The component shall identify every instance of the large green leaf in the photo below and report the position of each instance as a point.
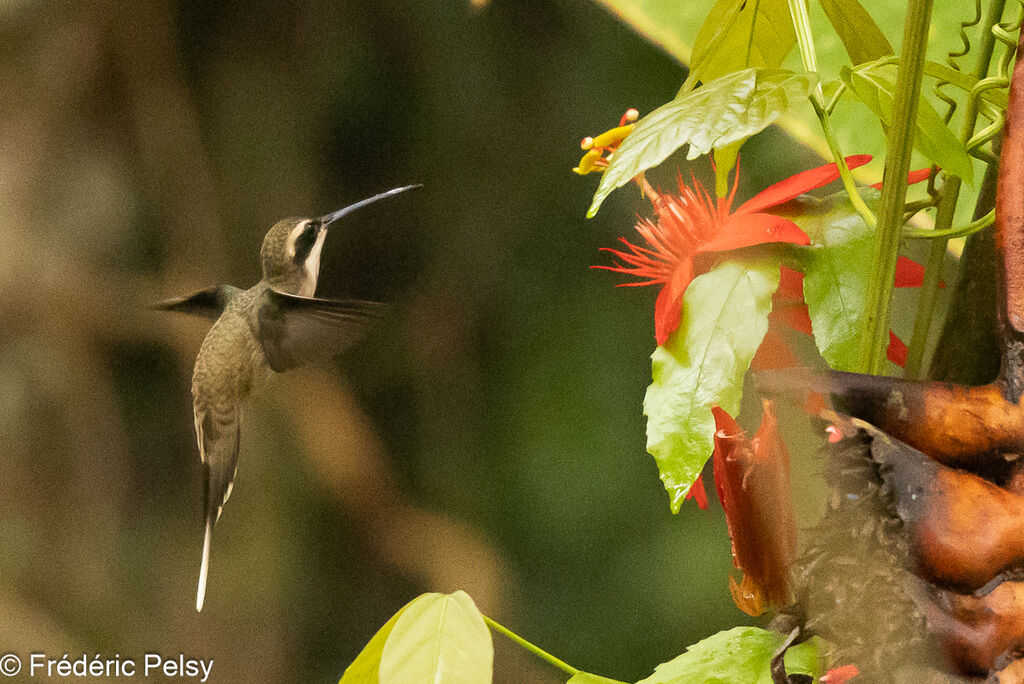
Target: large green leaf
(872, 86)
(863, 40)
(725, 317)
(738, 34)
(723, 111)
(836, 275)
(366, 667)
(439, 638)
(738, 655)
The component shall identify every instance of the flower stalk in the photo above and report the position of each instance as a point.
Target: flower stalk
(805, 41)
(535, 650)
(900, 144)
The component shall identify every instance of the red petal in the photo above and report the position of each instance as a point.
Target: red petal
(773, 353)
(897, 351)
(668, 308)
(791, 284)
(840, 675)
(802, 182)
(698, 494)
(917, 176)
(909, 273)
(747, 230)
(912, 177)
(726, 430)
(796, 317)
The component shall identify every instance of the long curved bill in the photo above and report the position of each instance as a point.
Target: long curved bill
(332, 217)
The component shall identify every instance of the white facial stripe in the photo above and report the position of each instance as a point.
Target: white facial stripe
(294, 235)
(312, 263)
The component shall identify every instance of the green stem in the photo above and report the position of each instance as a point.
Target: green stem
(844, 171)
(535, 650)
(950, 233)
(947, 206)
(932, 275)
(899, 144)
(805, 39)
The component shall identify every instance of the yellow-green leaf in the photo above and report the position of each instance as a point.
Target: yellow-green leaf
(863, 40)
(738, 34)
(441, 639)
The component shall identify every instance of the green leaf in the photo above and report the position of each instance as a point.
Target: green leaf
(365, 668)
(836, 276)
(587, 678)
(805, 658)
(738, 655)
(861, 37)
(725, 317)
(439, 638)
(738, 34)
(932, 136)
(723, 111)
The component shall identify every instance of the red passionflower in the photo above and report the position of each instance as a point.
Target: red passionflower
(693, 223)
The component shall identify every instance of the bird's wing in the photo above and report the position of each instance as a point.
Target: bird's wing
(295, 330)
(208, 303)
(219, 437)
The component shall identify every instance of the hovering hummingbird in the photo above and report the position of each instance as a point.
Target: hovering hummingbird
(275, 325)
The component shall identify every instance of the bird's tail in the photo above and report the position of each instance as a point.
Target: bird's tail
(204, 568)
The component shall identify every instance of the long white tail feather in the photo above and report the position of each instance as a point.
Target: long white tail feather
(204, 569)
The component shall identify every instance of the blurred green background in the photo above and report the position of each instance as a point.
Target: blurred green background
(489, 437)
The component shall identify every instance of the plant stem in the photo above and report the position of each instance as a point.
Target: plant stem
(947, 205)
(930, 286)
(900, 144)
(844, 171)
(950, 233)
(805, 39)
(535, 650)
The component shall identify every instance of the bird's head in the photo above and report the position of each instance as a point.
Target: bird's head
(291, 248)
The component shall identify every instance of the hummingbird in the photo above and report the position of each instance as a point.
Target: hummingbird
(275, 325)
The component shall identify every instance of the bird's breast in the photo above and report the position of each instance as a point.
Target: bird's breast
(230, 363)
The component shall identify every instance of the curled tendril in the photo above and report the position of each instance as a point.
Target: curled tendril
(951, 61)
(1006, 34)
